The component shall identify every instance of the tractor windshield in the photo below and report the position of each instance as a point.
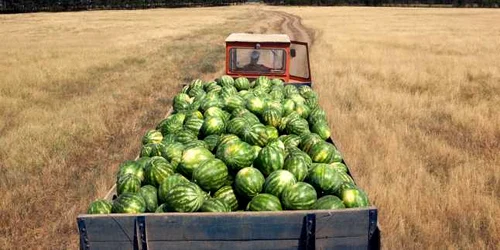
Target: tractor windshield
(267, 61)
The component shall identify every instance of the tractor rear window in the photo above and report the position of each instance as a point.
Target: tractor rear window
(258, 60)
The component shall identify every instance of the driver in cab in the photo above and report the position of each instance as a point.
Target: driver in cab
(253, 65)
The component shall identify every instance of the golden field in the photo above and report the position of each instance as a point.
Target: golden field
(412, 97)
(77, 92)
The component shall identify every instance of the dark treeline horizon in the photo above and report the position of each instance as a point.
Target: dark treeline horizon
(24, 6)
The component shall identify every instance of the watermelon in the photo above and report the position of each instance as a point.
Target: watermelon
(184, 197)
(194, 124)
(237, 125)
(324, 178)
(328, 202)
(339, 166)
(152, 136)
(277, 181)
(215, 205)
(212, 141)
(185, 136)
(211, 175)
(209, 85)
(288, 106)
(276, 144)
(269, 160)
(322, 129)
(192, 158)
(308, 141)
(317, 115)
(157, 170)
(100, 207)
(300, 196)
(242, 83)
(354, 197)
(142, 161)
(290, 140)
(295, 152)
(297, 166)
(173, 153)
(152, 149)
(182, 102)
(150, 195)
(236, 154)
(290, 90)
(272, 132)
(128, 183)
(196, 144)
(233, 102)
(129, 203)
(213, 126)
(264, 202)
(226, 193)
(168, 139)
(298, 126)
(324, 152)
(160, 209)
(217, 112)
(171, 124)
(303, 110)
(249, 182)
(225, 81)
(256, 135)
(271, 117)
(131, 167)
(256, 104)
(168, 184)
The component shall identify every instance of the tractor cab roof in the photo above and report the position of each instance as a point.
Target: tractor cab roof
(258, 38)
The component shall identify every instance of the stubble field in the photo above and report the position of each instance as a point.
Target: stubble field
(412, 97)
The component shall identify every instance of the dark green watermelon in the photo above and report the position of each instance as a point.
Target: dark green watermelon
(269, 160)
(192, 158)
(236, 154)
(128, 183)
(150, 195)
(211, 175)
(300, 196)
(100, 207)
(249, 182)
(152, 136)
(129, 203)
(297, 166)
(277, 181)
(215, 205)
(226, 193)
(329, 202)
(264, 202)
(324, 178)
(184, 197)
(354, 197)
(157, 169)
(131, 167)
(324, 152)
(168, 184)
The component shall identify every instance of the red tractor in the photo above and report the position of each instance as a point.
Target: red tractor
(271, 55)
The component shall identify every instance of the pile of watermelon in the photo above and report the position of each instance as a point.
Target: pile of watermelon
(234, 145)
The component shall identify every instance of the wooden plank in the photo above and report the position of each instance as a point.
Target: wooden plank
(112, 228)
(111, 245)
(251, 225)
(359, 242)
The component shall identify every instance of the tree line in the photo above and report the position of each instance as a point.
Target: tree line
(402, 3)
(20, 6)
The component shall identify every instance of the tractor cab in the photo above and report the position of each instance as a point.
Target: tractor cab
(271, 55)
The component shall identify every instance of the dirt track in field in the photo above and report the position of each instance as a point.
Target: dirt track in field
(292, 25)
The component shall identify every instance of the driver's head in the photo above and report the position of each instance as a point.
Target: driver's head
(254, 57)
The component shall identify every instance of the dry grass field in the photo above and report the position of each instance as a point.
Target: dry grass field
(413, 97)
(77, 90)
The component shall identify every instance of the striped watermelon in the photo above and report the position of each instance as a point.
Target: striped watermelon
(152, 149)
(277, 181)
(152, 136)
(288, 106)
(131, 167)
(264, 202)
(249, 182)
(160, 209)
(300, 196)
(128, 183)
(354, 197)
(150, 195)
(194, 124)
(271, 117)
(213, 126)
(184, 197)
(324, 178)
(215, 205)
(236, 154)
(192, 158)
(242, 83)
(272, 132)
(256, 135)
(226, 193)
(317, 115)
(129, 203)
(173, 153)
(182, 102)
(297, 166)
(328, 202)
(339, 166)
(225, 81)
(171, 124)
(324, 152)
(308, 141)
(269, 160)
(290, 140)
(212, 141)
(100, 207)
(298, 126)
(185, 136)
(168, 184)
(256, 104)
(211, 175)
(237, 125)
(157, 170)
(322, 129)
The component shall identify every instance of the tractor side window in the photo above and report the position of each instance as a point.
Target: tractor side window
(299, 64)
(258, 60)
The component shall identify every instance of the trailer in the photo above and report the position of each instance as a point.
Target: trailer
(249, 55)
